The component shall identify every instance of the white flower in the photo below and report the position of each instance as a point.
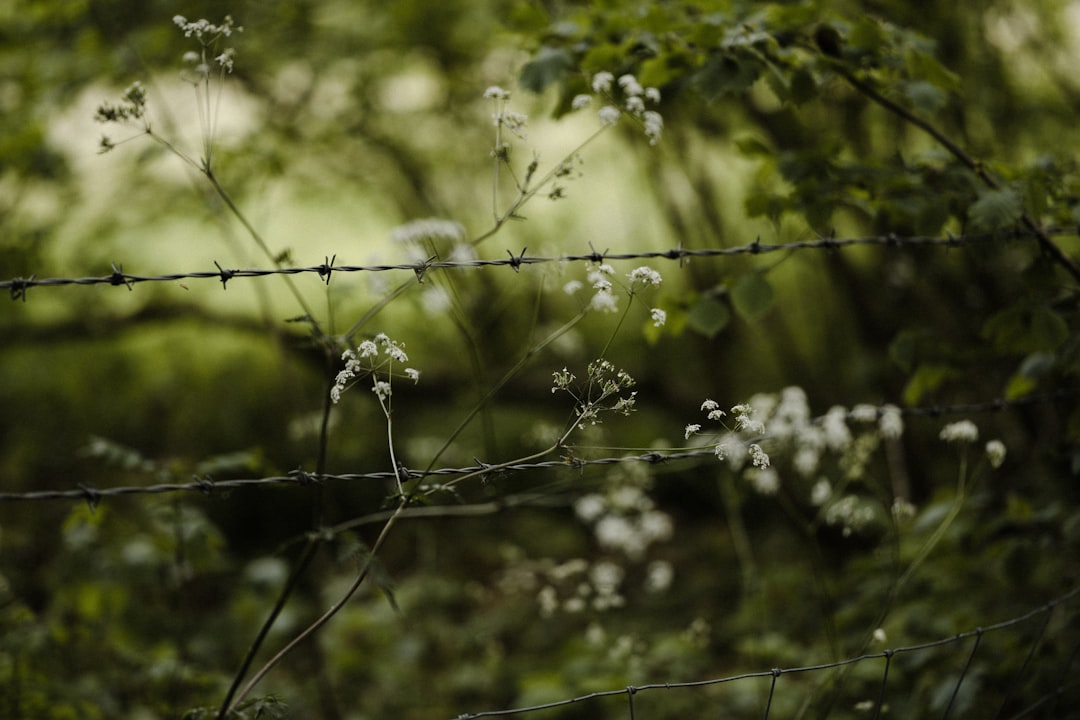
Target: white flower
(515, 122)
(658, 576)
(659, 317)
(601, 82)
(590, 507)
(891, 423)
(428, 229)
(821, 492)
(758, 456)
(580, 101)
(413, 374)
(995, 453)
(382, 389)
(604, 301)
(806, 460)
(635, 105)
(368, 348)
(880, 637)
(563, 378)
(609, 114)
(837, 435)
(606, 577)
(496, 93)
(654, 125)
(630, 85)
(652, 95)
(690, 430)
(709, 405)
(963, 431)
(645, 275)
(864, 413)
(765, 481)
(572, 287)
(744, 421)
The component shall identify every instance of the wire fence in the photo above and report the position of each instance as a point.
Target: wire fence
(18, 287)
(207, 485)
(1052, 701)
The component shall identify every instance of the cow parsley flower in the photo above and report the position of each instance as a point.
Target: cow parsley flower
(609, 114)
(428, 229)
(963, 431)
(891, 423)
(758, 457)
(601, 82)
(646, 276)
(995, 453)
(659, 317)
(691, 430)
(631, 86)
(580, 102)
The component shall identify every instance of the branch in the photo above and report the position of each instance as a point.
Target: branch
(965, 159)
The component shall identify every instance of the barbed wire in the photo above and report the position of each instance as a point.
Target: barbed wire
(887, 655)
(207, 485)
(19, 286)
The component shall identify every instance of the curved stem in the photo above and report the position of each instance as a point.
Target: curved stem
(325, 617)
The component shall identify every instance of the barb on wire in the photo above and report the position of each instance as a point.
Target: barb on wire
(206, 485)
(1044, 610)
(19, 285)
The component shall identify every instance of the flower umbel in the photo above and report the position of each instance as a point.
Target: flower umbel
(375, 358)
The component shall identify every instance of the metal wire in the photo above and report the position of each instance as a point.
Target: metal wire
(1043, 611)
(18, 287)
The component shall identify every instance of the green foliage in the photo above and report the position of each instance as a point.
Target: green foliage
(790, 540)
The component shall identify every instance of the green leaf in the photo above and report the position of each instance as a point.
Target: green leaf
(923, 66)
(549, 67)
(752, 146)
(708, 316)
(927, 378)
(722, 76)
(995, 209)
(752, 296)
(803, 86)
(1026, 330)
(924, 96)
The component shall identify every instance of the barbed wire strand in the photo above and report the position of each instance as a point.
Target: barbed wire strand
(775, 673)
(18, 287)
(207, 485)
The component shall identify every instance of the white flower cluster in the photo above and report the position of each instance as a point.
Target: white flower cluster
(503, 117)
(575, 586)
(203, 29)
(852, 513)
(735, 446)
(208, 34)
(635, 98)
(624, 519)
(602, 392)
(784, 424)
(370, 357)
(963, 431)
(600, 278)
(416, 231)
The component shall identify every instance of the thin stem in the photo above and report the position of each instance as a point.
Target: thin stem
(507, 376)
(257, 237)
(525, 194)
(326, 616)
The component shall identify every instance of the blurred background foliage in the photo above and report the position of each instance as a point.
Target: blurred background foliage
(783, 121)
